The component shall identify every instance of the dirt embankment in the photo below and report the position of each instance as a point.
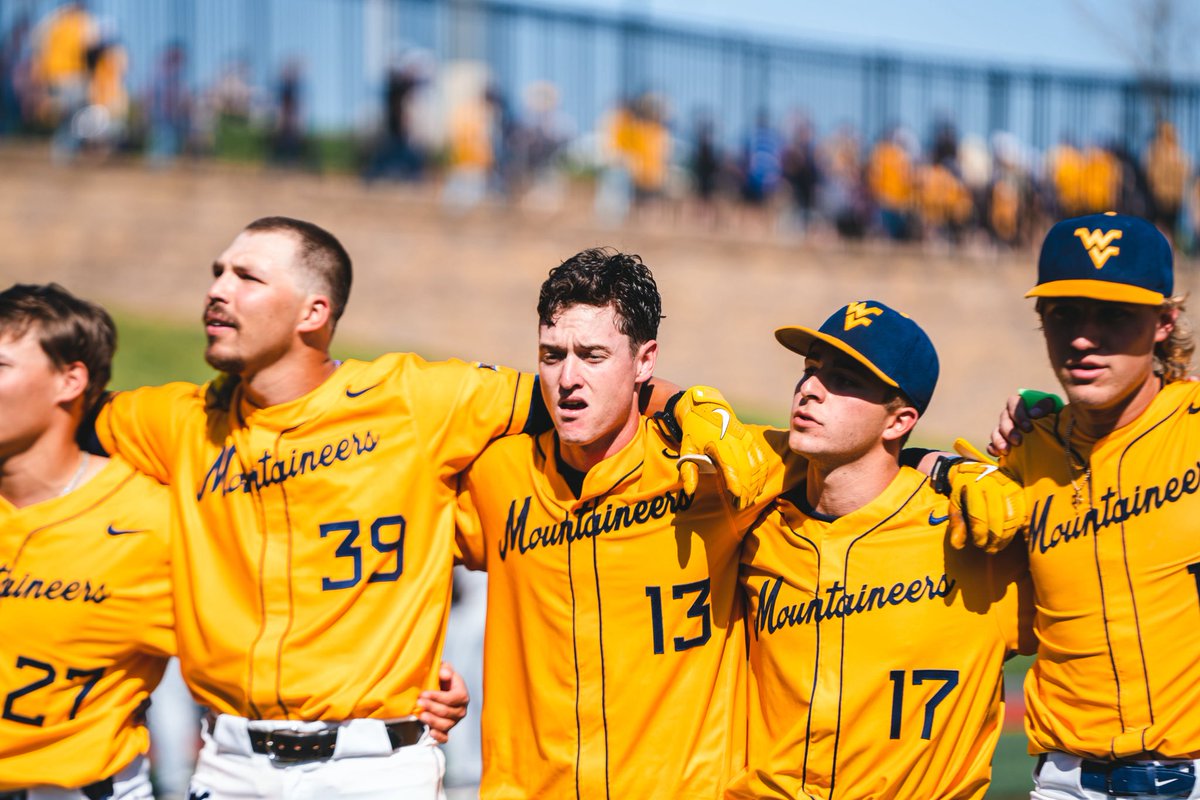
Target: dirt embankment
(447, 285)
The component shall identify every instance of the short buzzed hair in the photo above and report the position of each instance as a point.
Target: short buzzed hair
(68, 329)
(322, 257)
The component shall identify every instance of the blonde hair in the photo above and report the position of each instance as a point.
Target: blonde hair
(1173, 355)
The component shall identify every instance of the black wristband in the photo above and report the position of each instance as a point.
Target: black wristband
(939, 476)
(667, 418)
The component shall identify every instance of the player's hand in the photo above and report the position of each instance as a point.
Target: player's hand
(1017, 418)
(986, 502)
(710, 432)
(445, 708)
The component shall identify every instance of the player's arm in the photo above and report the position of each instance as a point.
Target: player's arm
(459, 407)
(710, 435)
(987, 501)
(470, 547)
(444, 707)
(143, 425)
(1010, 582)
(654, 396)
(157, 602)
(1020, 410)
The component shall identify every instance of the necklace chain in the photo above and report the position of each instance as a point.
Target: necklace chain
(73, 484)
(1074, 462)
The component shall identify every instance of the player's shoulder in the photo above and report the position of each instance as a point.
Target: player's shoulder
(918, 486)
(176, 393)
(1182, 395)
(1047, 434)
(775, 439)
(413, 363)
(130, 502)
(503, 456)
(154, 497)
(411, 372)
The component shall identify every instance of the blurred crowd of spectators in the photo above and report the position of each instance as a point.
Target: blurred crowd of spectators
(66, 77)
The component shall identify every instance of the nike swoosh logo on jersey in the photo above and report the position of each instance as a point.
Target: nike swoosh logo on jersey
(351, 393)
(936, 520)
(121, 532)
(1165, 781)
(1193, 409)
(724, 420)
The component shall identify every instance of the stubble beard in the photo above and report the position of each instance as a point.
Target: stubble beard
(232, 364)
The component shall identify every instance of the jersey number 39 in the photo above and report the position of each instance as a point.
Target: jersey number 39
(387, 536)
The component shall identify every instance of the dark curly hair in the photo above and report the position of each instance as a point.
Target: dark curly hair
(602, 277)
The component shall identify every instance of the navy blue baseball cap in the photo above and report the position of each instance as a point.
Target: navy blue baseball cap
(883, 340)
(1110, 256)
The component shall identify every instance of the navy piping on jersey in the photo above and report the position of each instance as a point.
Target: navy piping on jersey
(287, 515)
(99, 501)
(842, 649)
(575, 652)
(603, 678)
(1068, 449)
(262, 603)
(564, 470)
(816, 672)
(1137, 625)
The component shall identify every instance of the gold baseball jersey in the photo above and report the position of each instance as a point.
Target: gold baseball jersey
(1117, 576)
(876, 651)
(614, 656)
(317, 536)
(85, 628)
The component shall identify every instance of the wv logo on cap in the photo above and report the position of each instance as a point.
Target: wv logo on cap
(1099, 244)
(860, 314)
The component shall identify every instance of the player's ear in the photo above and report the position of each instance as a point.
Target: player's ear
(315, 314)
(644, 360)
(1167, 315)
(72, 382)
(899, 423)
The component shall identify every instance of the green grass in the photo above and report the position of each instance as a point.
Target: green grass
(1011, 769)
(152, 351)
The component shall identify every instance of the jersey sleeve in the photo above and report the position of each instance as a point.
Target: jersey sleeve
(470, 548)
(1010, 581)
(784, 470)
(142, 426)
(149, 508)
(462, 407)
(159, 632)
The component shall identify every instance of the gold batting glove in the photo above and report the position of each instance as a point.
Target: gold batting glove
(986, 502)
(711, 436)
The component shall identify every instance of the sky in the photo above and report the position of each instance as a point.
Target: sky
(1090, 35)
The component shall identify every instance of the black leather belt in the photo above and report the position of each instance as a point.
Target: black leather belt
(294, 746)
(100, 790)
(1138, 779)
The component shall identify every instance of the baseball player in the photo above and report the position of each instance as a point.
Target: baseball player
(614, 648)
(614, 651)
(1114, 527)
(876, 651)
(85, 606)
(315, 504)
